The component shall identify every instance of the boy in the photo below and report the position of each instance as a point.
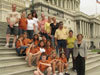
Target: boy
(44, 66)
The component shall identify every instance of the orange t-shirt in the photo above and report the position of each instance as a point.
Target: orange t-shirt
(34, 50)
(18, 44)
(36, 42)
(41, 66)
(48, 51)
(23, 23)
(64, 60)
(26, 41)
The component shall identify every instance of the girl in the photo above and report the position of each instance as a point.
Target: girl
(30, 26)
(22, 23)
(49, 48)
(36, 39)
(64, 63)
(19, 44)
(55, 62)
(33, 53)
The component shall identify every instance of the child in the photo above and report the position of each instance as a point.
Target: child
(34, 53)
(19, 44)
(55, 62)
(22, 23)
(64, 63)
(44, 66)
(49, 48)
(44, 39)
(30, 26)
(36, 39)
(26, 41)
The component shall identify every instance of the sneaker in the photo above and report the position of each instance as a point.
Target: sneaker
(54, 74)
(7, 45)
(67, 74)
(60, 73)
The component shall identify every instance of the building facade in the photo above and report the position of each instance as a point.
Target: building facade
(67, 11)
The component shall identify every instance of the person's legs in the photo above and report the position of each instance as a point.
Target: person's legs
(78, 64)
(49, 70)
(14, 41)
(53, 41)
(68, 54)
(59, 64)
(62, 67)
(36, 73)
(9, 30)
(37, 59)
(54, 67)
(30, 60)
(30, 32)
(15, 35)
(82, 66)
(7, 40)
(74, 64)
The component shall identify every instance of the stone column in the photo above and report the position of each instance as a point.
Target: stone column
(89, 30)
(53, 2)
(61, 3)
(94, 30)
(57, 4)
(65, 2)
(80, 27)
(85, 28)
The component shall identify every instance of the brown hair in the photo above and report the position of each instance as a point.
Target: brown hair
(80, 35)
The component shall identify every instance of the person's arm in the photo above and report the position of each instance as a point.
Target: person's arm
(29, 48)
(56, 38)
(46, 64)
(21, 42)
(74, 51)
(37, 53)
(85, 49)
(34, 27)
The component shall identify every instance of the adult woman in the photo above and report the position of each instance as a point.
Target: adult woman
(79, 53)
(70, 46)
(30, 26)
(36, 21)
(54, 26)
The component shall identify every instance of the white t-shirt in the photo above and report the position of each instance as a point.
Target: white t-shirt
(30, 25)
(36, 22)
(13, 16)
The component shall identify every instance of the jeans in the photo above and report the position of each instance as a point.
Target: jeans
(30, 34)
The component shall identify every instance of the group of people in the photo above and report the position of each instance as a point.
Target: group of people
(46, 43)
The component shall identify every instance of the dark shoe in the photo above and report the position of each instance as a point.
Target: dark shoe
(67, 74)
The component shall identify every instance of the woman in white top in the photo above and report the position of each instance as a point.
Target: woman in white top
(30, 26)
(36, 21)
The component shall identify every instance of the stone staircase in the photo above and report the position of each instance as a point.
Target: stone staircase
(3, 28)
(11, 64)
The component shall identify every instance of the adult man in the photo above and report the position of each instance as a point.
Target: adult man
(60, 37)
(12, 19)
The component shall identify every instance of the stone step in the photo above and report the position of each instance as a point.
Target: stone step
(94, 71)
(7, 54)
(16, 70)
(11, 58)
